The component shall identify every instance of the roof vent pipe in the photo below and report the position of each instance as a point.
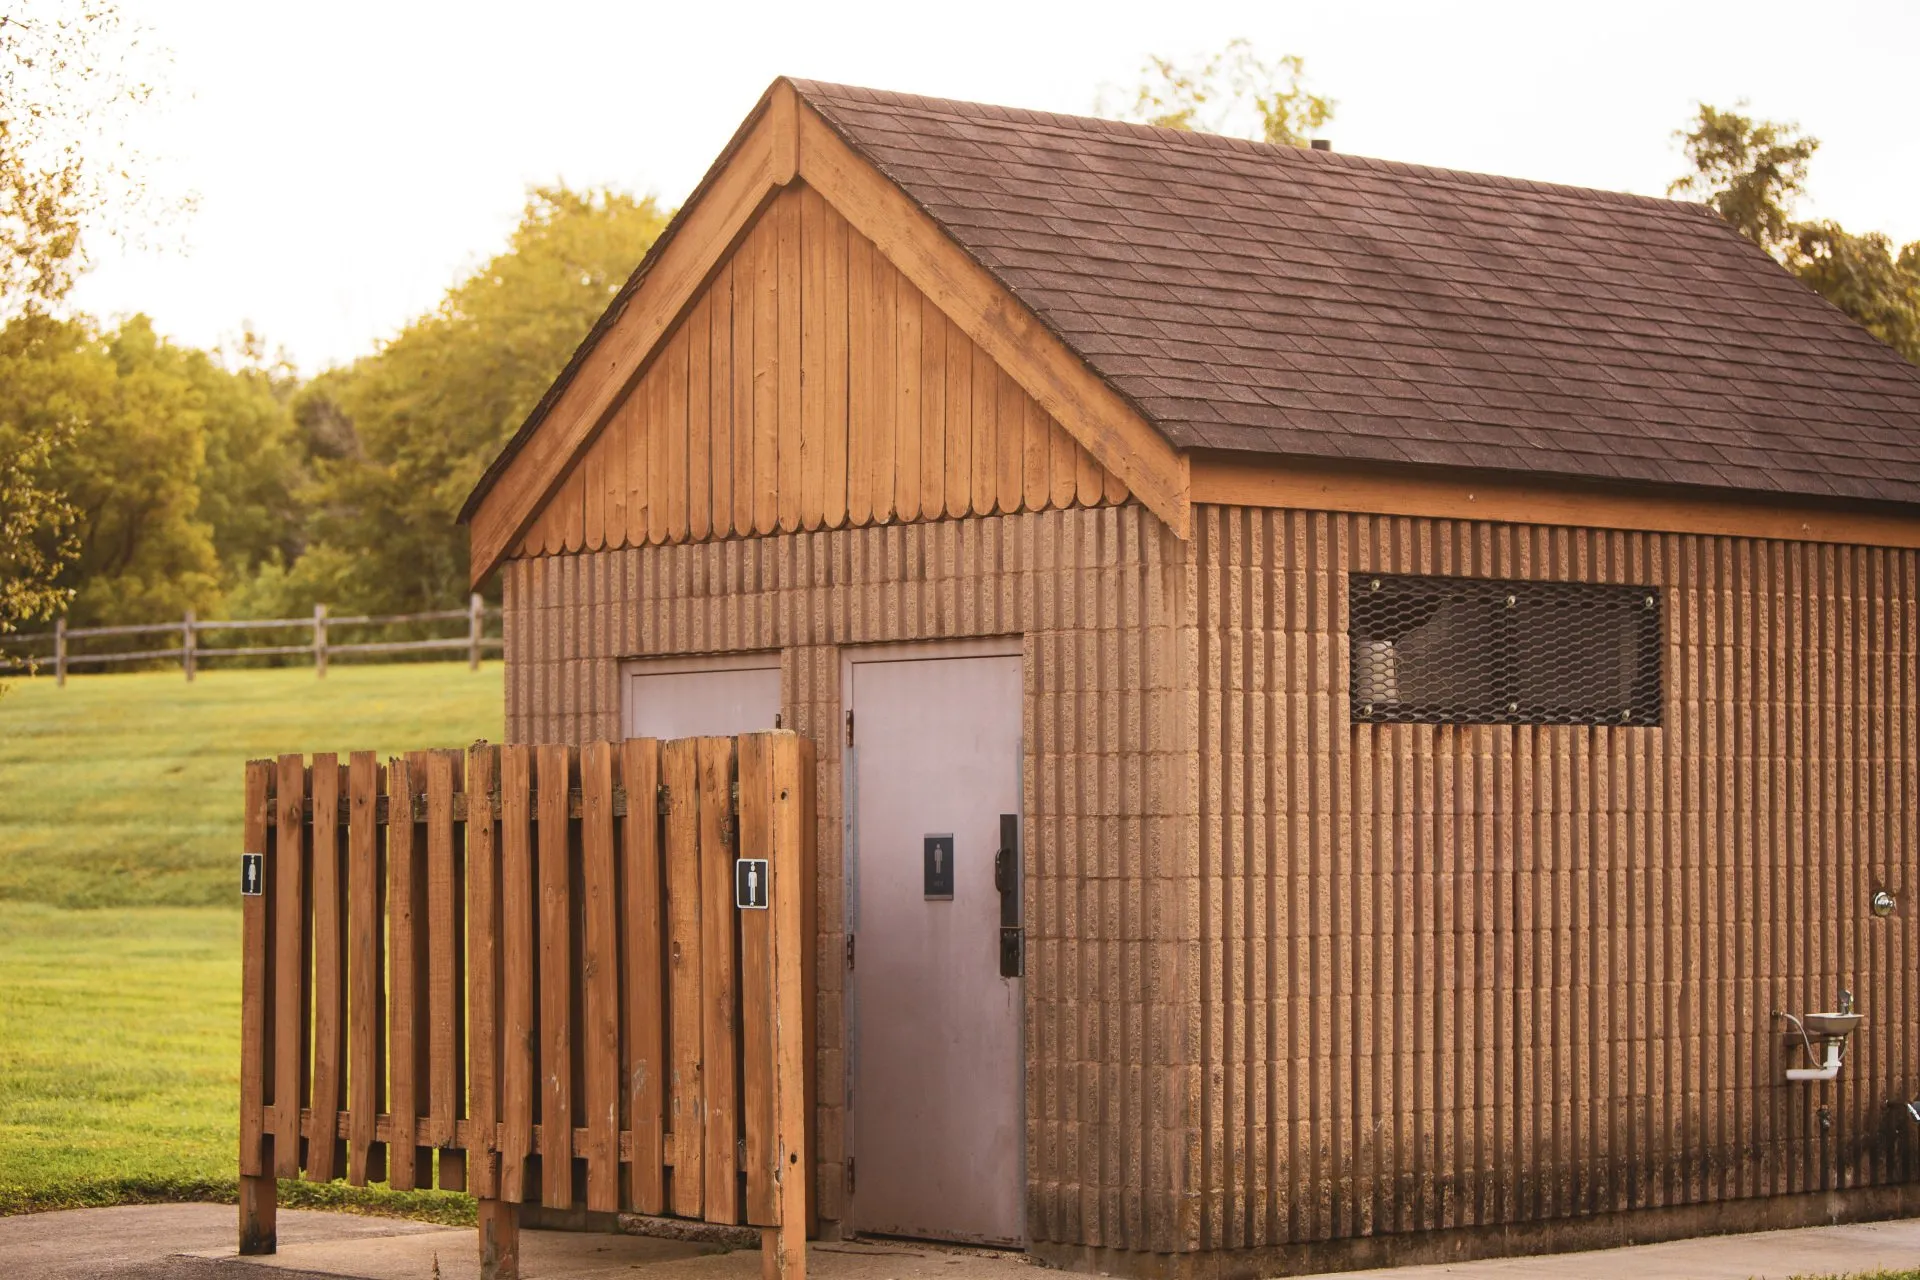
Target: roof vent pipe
(1322, 144)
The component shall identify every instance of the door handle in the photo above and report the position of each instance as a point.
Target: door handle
(1006, 878)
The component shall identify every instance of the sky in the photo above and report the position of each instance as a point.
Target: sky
(350, 161)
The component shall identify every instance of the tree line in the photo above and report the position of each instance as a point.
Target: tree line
(140, 477)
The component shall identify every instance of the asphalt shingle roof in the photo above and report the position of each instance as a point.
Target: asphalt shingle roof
(1276, 300)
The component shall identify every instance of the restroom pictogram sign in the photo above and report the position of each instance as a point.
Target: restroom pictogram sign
(750, 884)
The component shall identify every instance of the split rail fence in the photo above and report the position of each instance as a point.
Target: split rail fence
(528, 972)
(58, 644)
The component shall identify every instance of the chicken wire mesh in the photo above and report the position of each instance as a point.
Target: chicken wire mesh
(1431, 650)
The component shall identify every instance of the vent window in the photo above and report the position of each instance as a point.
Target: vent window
(1476, 651)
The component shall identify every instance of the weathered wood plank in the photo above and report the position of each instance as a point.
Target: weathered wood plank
(517, 898)
(792, 470)
(686, 1110)
(960, 422)
(720, 402)
(406, 1012)
(862, 420)
(718, 992)
(444, 1013)
(556, 1002)
(600, 969)
(643, 878)
(483, 968)
(909, 376)
(366, 970)
(933, 409)
(766, 372)
(812, 429)
(673, 373)
(835, 445)
(745, 273)
(699, 420)
(292, 954)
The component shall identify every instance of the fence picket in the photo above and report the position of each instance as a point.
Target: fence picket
(329, 965)
(643, 879)
(680, 764)
(366, 972)
(406, 1012)
(445, 981)
(719, 1049)
(516, 970)
(556, 972)
(600, 968)
(483, 968)
(291, 950)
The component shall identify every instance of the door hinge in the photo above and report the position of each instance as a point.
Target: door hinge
(662, 800)
(849, 726)
(850, 951)
(850, 1177)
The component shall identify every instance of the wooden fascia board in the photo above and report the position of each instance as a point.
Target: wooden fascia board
(708, 233)
(1108, 427)
(1241, 481)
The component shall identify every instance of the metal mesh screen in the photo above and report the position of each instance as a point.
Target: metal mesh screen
(1473, 651)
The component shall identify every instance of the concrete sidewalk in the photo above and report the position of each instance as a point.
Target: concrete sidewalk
(195, 1242)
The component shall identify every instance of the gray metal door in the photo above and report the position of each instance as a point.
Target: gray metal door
(935, 1111)
(700, 697)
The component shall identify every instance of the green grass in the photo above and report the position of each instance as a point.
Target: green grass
(119, 937)
(124, 790)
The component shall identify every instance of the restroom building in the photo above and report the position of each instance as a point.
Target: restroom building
(1431, 658)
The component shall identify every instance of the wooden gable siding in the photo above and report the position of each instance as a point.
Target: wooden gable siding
(811, 386)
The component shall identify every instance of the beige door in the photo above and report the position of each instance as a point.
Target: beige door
(699, 697)
(935, 1069)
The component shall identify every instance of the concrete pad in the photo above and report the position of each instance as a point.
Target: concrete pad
(1855, 1249)
(79, 1244)
(452, 1253)
(571, 1255)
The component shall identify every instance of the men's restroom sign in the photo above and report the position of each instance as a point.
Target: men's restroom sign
(937, 865)
(750, 884)
(252, 874)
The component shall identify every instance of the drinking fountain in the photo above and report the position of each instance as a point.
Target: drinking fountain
(1832, 1030)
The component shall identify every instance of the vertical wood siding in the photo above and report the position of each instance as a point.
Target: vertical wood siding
(1099, 597)
(810, 386)
(1464, 975)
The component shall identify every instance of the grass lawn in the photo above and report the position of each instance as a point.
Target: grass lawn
(119, 933)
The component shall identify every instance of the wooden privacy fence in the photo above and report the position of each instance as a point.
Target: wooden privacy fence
(537, 974)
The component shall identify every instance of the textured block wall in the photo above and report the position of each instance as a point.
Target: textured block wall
(1467, 975)
(1294, 979)
(1100, 597)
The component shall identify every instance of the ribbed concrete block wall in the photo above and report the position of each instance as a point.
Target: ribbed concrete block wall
(1101, 599)
(1482, 975)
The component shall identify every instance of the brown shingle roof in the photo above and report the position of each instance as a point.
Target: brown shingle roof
(1276, 300)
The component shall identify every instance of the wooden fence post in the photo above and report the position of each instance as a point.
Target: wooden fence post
(499, 1240)
(187, 646)
(476, 620)
(320, 641)
(59, 653)
(257, 1018)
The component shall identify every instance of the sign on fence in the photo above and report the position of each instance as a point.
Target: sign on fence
(525, 972)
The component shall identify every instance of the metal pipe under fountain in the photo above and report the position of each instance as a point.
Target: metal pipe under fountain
(1832, 1030)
